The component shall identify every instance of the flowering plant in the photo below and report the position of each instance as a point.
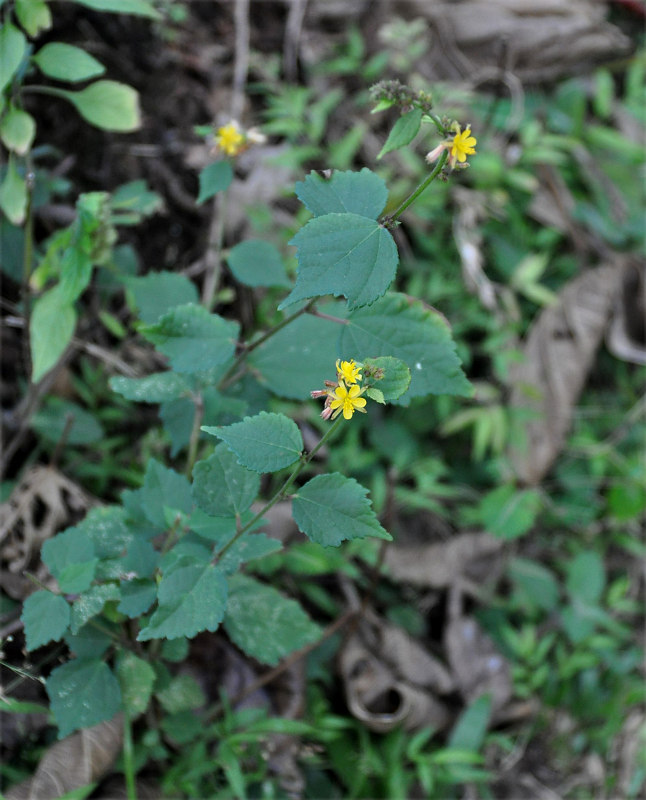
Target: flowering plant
(173, 558)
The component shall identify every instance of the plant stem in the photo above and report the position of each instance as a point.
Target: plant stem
(213, 255)
(300, 466)
(316, 313)
(225, 380)
(195, 434)
(390, 218)
(128, 758)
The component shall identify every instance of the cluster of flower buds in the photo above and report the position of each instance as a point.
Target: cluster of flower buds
(344, 394)
(394, 93)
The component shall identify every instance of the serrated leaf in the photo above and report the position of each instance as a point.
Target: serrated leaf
(13, 46)
(343, 254)
(65, 62)
(214, 178)
(331, 508)
(509, 512)
(107, 529)
(156, 388)
(376, 395)
(90, 642)
(158, 292)
(298, 358)
(136, 678)
(51, 328)
(257, 263)
(108, 105)
(137, 597)
(362, 193)
(183, 693)
(263, 623)
(82, 693)
(417, 335)
(193, 338)
(46, 617)
(17, 130)
(68, 548)
(395, 379)
(139, 8)
(248, 547)
(221, 486)
(192, 599)
(91, 603)
(164, 488)
(403, 132)
(13, 194)
(34, 16)
(264, 443)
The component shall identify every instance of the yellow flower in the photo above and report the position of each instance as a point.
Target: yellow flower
(348, 371)
(463, 146)
(230, 139)
(347, 400)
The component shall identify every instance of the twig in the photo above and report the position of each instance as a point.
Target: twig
(241, 65)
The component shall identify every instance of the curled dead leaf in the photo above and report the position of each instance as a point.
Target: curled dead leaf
(558, 354)
(76, 761)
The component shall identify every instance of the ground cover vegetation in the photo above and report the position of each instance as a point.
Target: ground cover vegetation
(323, 412)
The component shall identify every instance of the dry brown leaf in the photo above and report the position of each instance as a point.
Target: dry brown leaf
(558, 354)
(41, 504)
(468, 555)
(82, 758)
(536, 41)
(626, 338)
(390, 679)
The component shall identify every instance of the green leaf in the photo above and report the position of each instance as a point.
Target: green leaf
(69, 548)
(135, 200)
(362, 193)
(58, 417)
(586, 577)
(158, 292)
(417, 335)
(343, 254)
(403, 132)
(13, 193)
(51, 328)
(214, 178)
(137, 597)
(508, 512)
(248, 547)
(469, 731)
(183, 693)
(105, 527)
(46, 617)
(139, 8)
(82, 693)
(90, 604)
(13, 46)
(90, 642)
(192, 599)
(156, 388)
(193, 338)
(257, 263)
(222, 487)
(264, 443)
(331, 508)
(263, 623)
(534, 582)
(17, 130)
(376, 395)
(65, 62)
(164, 488)
(136, 678)
(108, 105)
(395, 376)
(34, 16)
(299, 357)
